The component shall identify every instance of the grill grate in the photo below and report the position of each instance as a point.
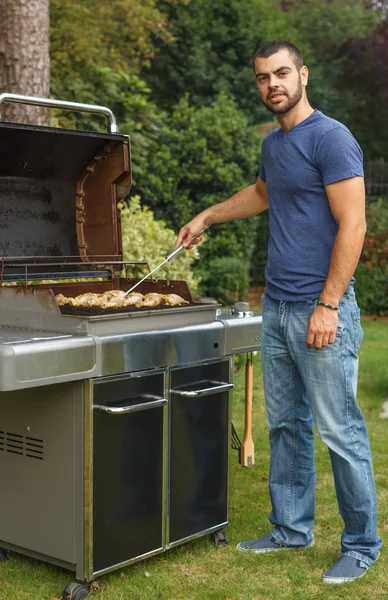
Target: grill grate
(40, 268)
(84, 311)
(22, 445)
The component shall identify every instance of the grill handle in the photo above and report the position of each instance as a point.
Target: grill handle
(217, 389)
(53, 103)
(124, 410)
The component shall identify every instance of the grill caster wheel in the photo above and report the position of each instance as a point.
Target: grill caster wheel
(3, 554)
(75, 591)
(219, 538)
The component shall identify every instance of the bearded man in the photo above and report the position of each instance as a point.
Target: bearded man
(311, 182)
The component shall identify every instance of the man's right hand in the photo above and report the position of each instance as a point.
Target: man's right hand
(188, 231)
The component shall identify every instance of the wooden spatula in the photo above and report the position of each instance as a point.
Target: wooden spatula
(247, 450)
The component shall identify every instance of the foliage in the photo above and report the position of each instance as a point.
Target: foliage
(226, 278)
(126, 95)
(326, 26)
(215, 42)
(146, 239)
(204, 156)
(212, 53)
(372, 273)
(348, 60)
(375, 250)
(118, 34)
(96, 51)
(372, 290)
(338, 20)
(260, 252)
(367, 62)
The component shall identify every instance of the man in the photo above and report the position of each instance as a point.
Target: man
(311, 180)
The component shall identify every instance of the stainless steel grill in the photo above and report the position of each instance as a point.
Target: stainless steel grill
(114, 425)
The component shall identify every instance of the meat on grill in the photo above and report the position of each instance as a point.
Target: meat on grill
(154, 299)
(118, 299)
(132, 299)
(173, 300)
(150, 300)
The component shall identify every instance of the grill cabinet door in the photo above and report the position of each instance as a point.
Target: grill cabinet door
(128, 468)
(200, 422)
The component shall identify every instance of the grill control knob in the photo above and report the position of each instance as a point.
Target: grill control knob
(241, 309)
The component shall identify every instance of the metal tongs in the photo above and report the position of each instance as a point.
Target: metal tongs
(172, 255)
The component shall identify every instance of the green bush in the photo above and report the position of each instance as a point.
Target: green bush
(372, 272)
(260, 252)
(146, 239)
(226, 279)
(371, 288)
(203, 156)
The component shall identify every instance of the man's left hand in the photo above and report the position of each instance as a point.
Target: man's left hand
(322, 327)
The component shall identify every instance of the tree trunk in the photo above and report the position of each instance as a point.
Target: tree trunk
(24, 57)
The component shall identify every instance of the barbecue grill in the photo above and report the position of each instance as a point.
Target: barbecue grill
(115, 425)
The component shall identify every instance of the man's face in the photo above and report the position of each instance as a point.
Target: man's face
(280, 84)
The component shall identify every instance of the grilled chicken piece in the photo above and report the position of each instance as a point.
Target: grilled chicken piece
(86, 300)
(132, 299)
(151, 300)
(113, 294)
(115, 302)
(174, 300)
(61, 299)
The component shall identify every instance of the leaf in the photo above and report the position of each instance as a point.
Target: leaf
(95, 586)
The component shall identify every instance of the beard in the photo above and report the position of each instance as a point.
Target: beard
(291, 101)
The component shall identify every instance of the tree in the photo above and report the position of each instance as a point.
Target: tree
(101, 67)
(326, 25)
(117, 35)
(215, 42)
(212, 53)
(24, 56)
(366, 78)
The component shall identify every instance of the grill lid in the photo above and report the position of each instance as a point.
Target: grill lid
(59, 191)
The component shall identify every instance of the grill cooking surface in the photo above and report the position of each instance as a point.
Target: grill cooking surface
(96, 311)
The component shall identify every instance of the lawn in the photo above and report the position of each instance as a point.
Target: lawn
(201, 571)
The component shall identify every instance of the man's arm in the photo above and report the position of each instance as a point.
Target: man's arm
(250, 201)
(347, 203)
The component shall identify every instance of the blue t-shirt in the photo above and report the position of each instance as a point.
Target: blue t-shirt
(296, 166)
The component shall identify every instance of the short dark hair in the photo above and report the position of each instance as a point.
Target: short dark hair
(270, 48)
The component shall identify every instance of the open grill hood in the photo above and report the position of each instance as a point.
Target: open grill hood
(59, 191)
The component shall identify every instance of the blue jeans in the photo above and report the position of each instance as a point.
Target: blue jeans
(305, 386)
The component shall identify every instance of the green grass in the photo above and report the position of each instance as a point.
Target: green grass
(200, 571)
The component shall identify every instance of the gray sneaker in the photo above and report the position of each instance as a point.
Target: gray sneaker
(346, 570)
(267, 544)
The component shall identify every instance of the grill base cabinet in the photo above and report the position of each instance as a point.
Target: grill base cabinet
(100, 473)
